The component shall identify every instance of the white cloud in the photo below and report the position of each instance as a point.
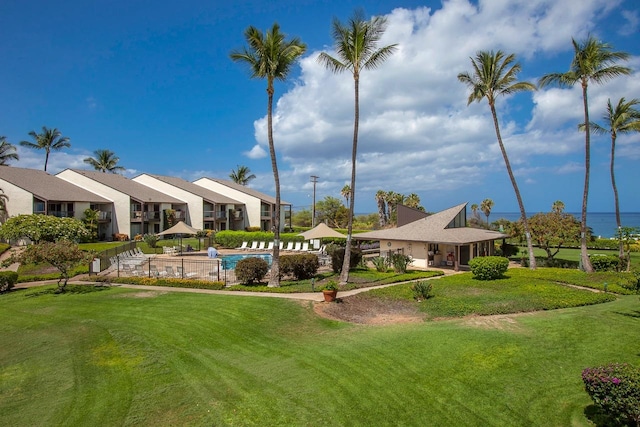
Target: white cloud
(416, 132)
(632, 23)
(257, 152)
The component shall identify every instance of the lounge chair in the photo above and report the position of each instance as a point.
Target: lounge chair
(305, 247)
(281, 245)
(254, 245)
(270, 246)
(139, 271)
(289, 246)
(243, 246)
(155, 273)
(297, 247)
(261, 246)
(169, 270)
(182, 274)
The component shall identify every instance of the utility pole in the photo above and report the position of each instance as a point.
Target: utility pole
(314, 179)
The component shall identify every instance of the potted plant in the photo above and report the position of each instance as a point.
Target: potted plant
(330, 291)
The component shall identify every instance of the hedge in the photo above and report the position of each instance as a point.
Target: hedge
(171, 283)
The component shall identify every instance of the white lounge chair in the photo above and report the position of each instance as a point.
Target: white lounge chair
(254, 246)
(261, 246)
(182, 274)
(243, 246)
(297, 247)
(270, 246)
(281, 245)
(155, 272)
(169, 270)
(305, 247)
(289, 246)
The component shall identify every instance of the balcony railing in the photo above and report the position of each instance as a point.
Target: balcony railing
(104, 215)
(180, 215)
(61, 214)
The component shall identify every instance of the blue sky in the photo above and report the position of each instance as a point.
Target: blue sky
(153, 82)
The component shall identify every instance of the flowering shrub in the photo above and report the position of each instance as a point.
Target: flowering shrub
(44, 228)
(615, 388)
(488, 267)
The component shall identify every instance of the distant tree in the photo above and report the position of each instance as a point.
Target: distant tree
(552, 230)
(356, 48)
(302, 218)
(331, 211)
(4, 213)
(43, 228)
(105, 161)
(393, 200)
(494, 75)
(90, 222)
(63, 255)
(7, 152)
(627, 236)
(558, 206)
(270, 57)
(346, 192)
(593, 61)
(485, 207)
(413, 201)
(49, 139)
(381, 202)
(242, 175)
(621, 119)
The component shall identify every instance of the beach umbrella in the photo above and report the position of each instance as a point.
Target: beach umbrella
(321, 230)
(180, 228)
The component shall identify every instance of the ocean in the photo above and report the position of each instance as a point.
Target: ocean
(603, 224)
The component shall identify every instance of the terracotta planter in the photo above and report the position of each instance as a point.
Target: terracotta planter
(330, 296)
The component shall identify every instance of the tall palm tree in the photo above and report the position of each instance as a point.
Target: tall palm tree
(485, 207)
(270, 57)
(49, 139)
(381, 201)
(593, 61)
(242, 175)
(105, 161)
(346, 192)
(413, 201)
(495, 74)
(356, 48)
(623, 118)
(557, 206)
(7, 151)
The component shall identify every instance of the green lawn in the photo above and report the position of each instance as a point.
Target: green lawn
(133, 357)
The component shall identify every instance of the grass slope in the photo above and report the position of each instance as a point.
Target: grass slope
(129, 357)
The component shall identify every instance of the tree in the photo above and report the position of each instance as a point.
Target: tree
(494, 75)
(49, 139)
(627, 236)
(552, 230)
(63, 255)
(242, 175)
(485, 207)
(413, 201)
(43, 228)
(623, 118)
(4, 213)
(331, 211)
(302, 218)
(90, 222)
(356, 48)
(346, 192)
(382, 207)
(105, 161)
(558, 206)
(270, 57)
(393, 200)
(593, 61)
(7, 152)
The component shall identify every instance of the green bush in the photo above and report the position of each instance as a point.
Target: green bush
(552, 263)
(251, 270)
(8, 279)
(615, 388)
(400, 262)
(301, 266)
(234, 239)
(337, 258)
(151, 240)
(488, 267)
(380, 263)
(605, 262)
(422, 290)
(168, 282)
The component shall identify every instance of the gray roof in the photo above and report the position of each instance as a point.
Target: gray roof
(247, 190)
(133, 189)
(206, 194)
(433, 229)
(48, 187)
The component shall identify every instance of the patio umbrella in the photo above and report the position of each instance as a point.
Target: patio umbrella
(180, 228)
(321, 230)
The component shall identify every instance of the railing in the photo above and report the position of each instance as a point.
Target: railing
(171, 268)
(146, 216)
(221, 215)
(106, 254)
(179, 215)
(61, 214)
(209, 214)
(104, 215)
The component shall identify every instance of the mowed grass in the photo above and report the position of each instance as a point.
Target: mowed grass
(132, 357)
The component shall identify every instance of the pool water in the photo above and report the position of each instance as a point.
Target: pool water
(228, 262)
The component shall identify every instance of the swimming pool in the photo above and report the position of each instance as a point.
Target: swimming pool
(228, 262)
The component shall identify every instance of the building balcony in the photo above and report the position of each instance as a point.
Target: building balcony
(62, 214)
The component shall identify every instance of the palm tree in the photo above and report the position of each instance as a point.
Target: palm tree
(495, 75)
(557, 207)
(346, 192)
(593, 61)
(355, 44)
(270, 57)
(242, 175)
(7, 151)
(105, 161)
(623, 118)
(413, 201)
(381, 197)
(4, 213)
(49, 139)
(485, 207)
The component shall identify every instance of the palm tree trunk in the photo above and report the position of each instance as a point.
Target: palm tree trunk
(274, 277)
(46, 159)
(584, 255)
(615, 193)
(523, 213)
(344, 274)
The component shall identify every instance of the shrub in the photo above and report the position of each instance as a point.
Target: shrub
(380, 263)
(150, 239)
(337, 258)
(615, 388)
(163, 281)
(422, 290)
(301, 266)
(605, 262)
(507, 250)
(488, 267)
(7, 280)
(552, 263)
(400, 262)
(251, 270)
